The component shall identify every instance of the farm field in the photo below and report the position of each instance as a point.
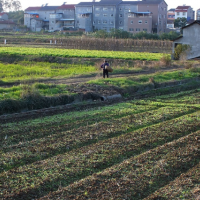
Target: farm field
(132, 150)
(14, 51)
(61, 137)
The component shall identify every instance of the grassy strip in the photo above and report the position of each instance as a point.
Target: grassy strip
(41, 70)
(139, 80)
(17, 92)
(61, 142)
(79, 53)
(138, 176)
(39, 178)
(186, 186)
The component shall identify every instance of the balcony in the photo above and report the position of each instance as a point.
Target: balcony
(55, 16)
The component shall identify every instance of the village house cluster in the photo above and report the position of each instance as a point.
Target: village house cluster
(151, 16)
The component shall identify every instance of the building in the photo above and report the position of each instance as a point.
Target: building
(64, 17)
(170, 18)
(115, 14)
(190, 31)
(133, 16)
(198, 14)
(106, 15)
(5, 23)
(139, 21)
(84, 16)
(3, 16)
(29, 14)
(184, 11)
(158, 8)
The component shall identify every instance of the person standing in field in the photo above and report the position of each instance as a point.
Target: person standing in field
(103, 66)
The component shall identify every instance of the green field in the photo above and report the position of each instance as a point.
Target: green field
(15, 51)
(102, 153)
(144, 145)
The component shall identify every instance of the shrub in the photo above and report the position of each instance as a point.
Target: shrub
(166, 60)
(181, 51)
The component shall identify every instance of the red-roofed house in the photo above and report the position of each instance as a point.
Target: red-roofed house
(5, 23)
(29, 13)
(3, 16)
(184, 11)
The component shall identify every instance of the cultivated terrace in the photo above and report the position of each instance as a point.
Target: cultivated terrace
(67, 133)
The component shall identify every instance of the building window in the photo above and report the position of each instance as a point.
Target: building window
(184, 13)
(97, 15)
(97, 9)
(104, 9)
(145, 29)
(99, 21)
(120, 15)
(131, 22)
(120, 22)
(146, 22)
(111, 15)
(178, 13)
(111, 22)
(120, 9)
(137, 29)
(104, 22)
(105, 28)
(105, 15)
(139, 21)
(131, 29)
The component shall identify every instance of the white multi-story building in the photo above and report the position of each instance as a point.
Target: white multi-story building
(184, 11)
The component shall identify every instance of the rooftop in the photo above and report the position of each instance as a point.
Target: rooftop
(32, 8)
(66, 6)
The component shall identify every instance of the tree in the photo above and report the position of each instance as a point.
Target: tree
(10, 5)
(180, 22)
(17, 16)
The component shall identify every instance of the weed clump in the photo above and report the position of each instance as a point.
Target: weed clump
(166, 60)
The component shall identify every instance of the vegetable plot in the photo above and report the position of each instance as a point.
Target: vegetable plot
(15, 51)
(125, 151)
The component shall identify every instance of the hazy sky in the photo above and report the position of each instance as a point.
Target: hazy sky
(195, 4)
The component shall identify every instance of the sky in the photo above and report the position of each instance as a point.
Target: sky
(195, 4)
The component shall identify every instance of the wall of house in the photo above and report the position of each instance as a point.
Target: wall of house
(159, 17)
(190, 37)
(198, 14)
(140, 23)
(4, 16)
(67, 13)
(6, 26)
(124, 10)
(104, 17)
(36, 25)
(82, 21)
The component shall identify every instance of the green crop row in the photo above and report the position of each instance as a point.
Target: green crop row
(185, 186)
(63, 169)
(113, 144)
(59, 142)
(79, 53)
(139, 176)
